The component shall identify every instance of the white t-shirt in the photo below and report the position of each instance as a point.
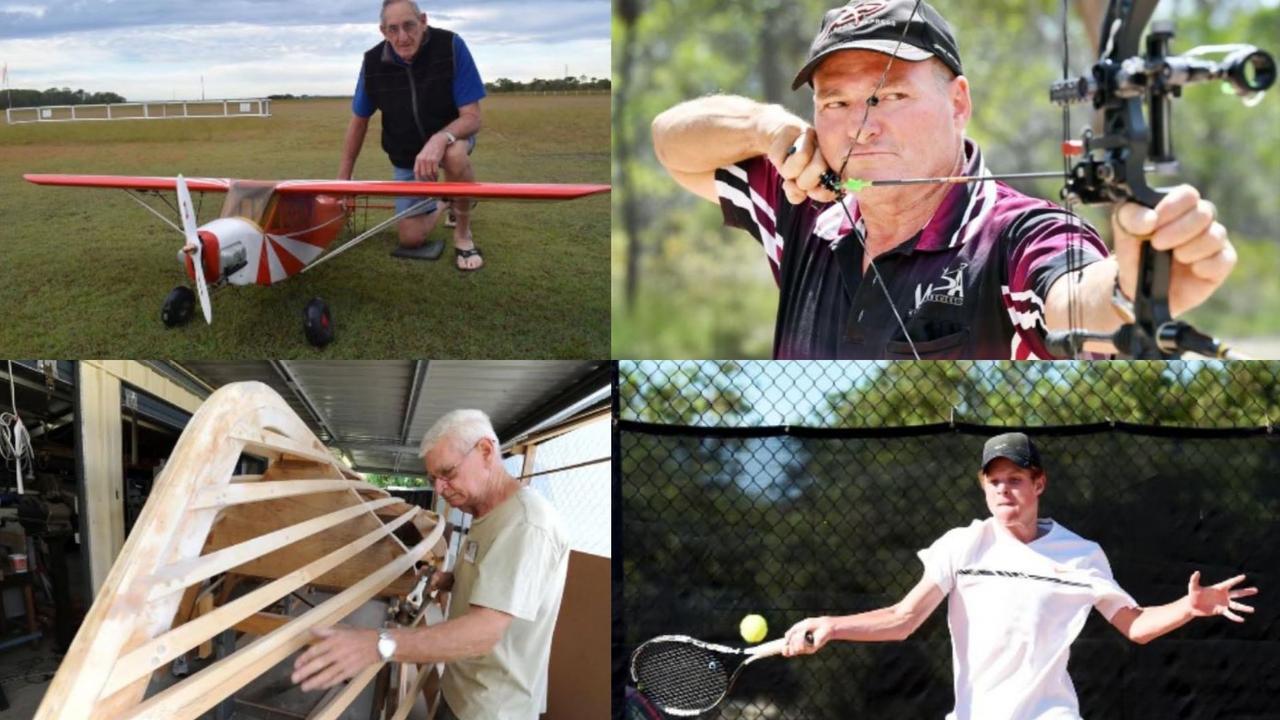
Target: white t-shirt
(1014, 609)
(515, 560)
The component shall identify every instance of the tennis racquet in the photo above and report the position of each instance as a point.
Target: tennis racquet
(685, 676)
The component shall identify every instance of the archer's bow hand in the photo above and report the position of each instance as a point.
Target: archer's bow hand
(1186, 224)
(794, 152)
(1219, 599)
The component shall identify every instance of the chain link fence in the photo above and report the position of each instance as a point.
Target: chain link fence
(801, 489)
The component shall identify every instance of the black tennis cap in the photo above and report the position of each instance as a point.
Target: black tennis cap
(1013, 446)
(876, 25)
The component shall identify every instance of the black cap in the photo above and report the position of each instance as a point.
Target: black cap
(1013, 446)
(876, 25)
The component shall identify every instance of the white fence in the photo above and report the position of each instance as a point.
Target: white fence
(166, 110)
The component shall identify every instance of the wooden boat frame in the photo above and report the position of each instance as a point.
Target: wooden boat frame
(307, 520)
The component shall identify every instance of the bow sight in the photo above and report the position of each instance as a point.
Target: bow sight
(1120, 80)
(1159, 77)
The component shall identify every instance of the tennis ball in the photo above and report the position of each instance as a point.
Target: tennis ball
(753, 628)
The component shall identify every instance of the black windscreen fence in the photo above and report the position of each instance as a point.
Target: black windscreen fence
(787, 522)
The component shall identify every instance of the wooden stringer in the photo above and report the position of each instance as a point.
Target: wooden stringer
(307, 520)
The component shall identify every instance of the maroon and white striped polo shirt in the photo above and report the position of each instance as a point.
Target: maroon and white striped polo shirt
(971, 285)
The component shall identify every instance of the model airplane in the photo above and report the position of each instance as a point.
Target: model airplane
(270, 230)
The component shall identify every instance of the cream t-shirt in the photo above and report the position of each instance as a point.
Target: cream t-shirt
(1014, 609)
(513, 560)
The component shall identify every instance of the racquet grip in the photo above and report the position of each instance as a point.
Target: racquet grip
(769, 649)
(775, 647)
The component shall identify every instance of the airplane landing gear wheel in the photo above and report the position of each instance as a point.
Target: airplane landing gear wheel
(318, 323)
(179, 305)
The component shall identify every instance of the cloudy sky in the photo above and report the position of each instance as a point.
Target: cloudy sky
(159, 49)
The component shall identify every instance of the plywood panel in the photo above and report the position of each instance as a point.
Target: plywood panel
(102, 450)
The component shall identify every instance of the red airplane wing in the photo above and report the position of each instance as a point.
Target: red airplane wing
(130, 182)
(507, 191)
(497, 191)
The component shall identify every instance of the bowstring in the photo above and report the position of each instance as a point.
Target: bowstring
(873, 101)
(1075, 238)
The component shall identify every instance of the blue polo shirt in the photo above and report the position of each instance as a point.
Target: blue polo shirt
(969, 286)
(467, 85)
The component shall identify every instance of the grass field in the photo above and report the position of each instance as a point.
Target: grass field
(83, 272)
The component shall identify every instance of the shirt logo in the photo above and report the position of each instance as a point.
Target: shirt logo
(949, 292)
(469, 551)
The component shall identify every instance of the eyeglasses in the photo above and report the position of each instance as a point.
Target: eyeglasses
(409, 28)
(450, 473)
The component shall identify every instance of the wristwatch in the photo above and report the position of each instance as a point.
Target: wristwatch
(386, 645)
(452, 138)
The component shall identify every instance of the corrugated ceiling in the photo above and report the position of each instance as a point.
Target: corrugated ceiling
(377, 411)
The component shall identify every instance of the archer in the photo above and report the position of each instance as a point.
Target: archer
(931, 269)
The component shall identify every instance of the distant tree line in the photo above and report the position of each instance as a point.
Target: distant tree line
(58, 96)
(580, 83)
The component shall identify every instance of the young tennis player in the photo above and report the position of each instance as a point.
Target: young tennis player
(1020, 588)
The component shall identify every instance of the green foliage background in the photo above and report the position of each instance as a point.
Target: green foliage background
(684, 286)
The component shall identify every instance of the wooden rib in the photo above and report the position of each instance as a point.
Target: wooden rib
(272, 444)
(154, 654)
(191, 697)
(175, 577)
(334, 708)
(245, 522)
(263, 623)
(406, 703)
(325, 699)
(269, 490)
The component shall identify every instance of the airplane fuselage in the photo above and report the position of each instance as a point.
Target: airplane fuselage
(237, 250)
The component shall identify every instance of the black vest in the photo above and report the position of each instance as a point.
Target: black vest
(416, 101)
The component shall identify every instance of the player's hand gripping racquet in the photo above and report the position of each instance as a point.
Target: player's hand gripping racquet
(686, 677)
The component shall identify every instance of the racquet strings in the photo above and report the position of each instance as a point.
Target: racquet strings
(679, 676)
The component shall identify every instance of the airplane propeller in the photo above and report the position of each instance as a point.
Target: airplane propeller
(187, 210)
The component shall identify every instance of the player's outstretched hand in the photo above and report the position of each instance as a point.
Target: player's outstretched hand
(1219, 599)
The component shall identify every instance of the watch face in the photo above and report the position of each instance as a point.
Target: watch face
(386, 647)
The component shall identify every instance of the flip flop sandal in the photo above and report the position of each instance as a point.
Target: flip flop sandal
(463, 255)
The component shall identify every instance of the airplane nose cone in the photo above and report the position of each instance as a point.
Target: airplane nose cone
(210, 257)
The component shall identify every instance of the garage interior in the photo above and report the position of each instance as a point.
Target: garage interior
(95, 435)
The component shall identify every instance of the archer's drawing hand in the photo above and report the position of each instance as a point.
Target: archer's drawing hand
(1186, 224)
(820, 628)
(1219, 599)
(794, 151)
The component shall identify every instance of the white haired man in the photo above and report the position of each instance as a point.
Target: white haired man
(425, 82)
(506, 585)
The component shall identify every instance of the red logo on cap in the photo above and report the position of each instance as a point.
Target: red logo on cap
(855, 15)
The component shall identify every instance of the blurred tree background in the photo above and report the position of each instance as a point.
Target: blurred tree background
(684, 286)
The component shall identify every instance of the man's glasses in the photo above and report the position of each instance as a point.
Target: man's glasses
(448, 474)
(408, 27)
